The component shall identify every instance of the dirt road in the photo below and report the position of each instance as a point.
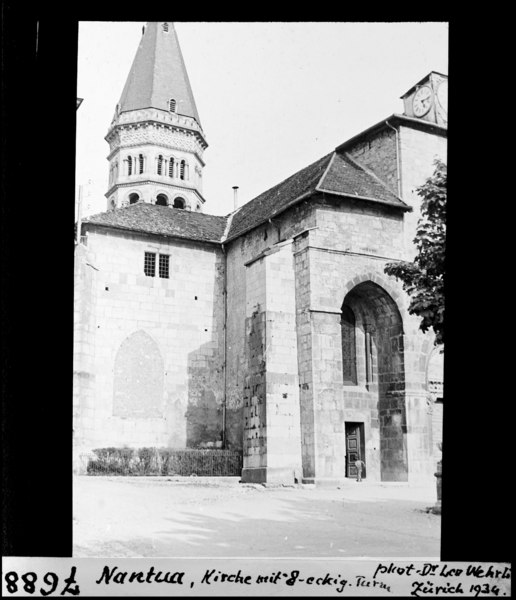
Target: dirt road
(221, 518)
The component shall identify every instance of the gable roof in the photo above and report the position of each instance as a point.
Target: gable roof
(336, 173)
(162, 220)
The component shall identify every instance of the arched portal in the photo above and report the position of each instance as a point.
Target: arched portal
(133, 198)
(372, 342)
(179, 203)
(161, 200)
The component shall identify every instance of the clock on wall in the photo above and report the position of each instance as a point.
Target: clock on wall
(442, 96)
(422, 101)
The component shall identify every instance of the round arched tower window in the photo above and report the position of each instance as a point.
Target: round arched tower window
(162, 200)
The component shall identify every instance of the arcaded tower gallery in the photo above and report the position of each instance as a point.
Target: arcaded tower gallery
(272, 331)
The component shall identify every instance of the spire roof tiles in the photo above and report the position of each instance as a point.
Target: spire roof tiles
(158, 74)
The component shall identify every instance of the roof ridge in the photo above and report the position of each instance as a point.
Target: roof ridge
(328, 167)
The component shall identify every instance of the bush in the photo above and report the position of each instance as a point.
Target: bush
(165, 461)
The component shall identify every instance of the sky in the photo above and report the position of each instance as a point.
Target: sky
(272, 97)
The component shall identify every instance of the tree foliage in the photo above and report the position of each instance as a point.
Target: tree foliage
(423, 279)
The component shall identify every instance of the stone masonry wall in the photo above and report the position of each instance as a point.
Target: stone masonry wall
(272, 444)
(378, 154)
(180, 319)
(84, 353)
(418, 151)
(239, 253)
(350, 245)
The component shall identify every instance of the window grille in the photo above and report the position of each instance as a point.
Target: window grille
(182, 170)
(129, 165)
(163, 266)
(172, 105)
(165, 27)
(149, 264)
(140, 159)
(171, 167)
(160, 164)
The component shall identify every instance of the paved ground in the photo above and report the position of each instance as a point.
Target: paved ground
(135, 516)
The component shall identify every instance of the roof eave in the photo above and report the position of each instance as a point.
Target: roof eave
(396, 119)
(148, 233)
(404, 207)
(304, 196)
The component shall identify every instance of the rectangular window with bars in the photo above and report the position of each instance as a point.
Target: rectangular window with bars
(149, 264)
(163, 265)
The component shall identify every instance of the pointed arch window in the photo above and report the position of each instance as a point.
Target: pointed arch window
(172, 105)
(160, 164)
(171, 167)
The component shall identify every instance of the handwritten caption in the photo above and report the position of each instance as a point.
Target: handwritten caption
(421, 579)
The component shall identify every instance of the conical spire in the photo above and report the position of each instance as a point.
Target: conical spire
(158, 74)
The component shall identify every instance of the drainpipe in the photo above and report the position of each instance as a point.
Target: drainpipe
(398, 156)
(224, 399)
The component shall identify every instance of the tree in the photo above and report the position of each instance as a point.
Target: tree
(423, 279)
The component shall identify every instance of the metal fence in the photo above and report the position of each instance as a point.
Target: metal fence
(164, 461)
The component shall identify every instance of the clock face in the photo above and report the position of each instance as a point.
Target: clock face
(442, 96)
(422, 101)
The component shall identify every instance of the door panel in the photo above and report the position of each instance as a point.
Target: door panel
(354, 447)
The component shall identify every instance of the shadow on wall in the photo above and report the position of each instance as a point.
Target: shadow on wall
(205, 416)
(378, 316)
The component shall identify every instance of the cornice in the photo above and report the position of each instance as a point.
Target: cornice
(129, 184)
(174, 121)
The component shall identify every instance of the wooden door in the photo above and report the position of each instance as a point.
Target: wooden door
(355, 446)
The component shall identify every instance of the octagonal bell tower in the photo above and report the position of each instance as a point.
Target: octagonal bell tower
(156, 141)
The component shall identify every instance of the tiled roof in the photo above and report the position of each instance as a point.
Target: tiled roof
(334, 173)
(273, 201)
(346, 177)
(162, 220)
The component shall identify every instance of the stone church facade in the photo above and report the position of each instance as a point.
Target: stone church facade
(273, 330)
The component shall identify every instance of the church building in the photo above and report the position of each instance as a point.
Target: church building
(272, 331)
